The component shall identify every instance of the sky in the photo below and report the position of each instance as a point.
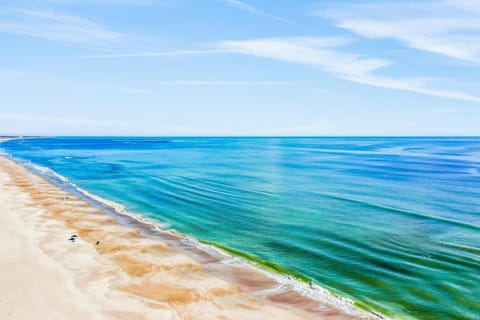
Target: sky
(240, 67)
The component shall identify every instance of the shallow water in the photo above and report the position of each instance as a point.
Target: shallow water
(392, 223)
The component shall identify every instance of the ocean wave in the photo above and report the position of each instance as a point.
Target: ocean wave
(285, 281)
(402, 211)
(66, 183)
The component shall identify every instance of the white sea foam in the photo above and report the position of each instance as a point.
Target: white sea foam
(285, 282)
(63, 181)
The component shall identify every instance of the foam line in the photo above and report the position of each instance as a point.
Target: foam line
(310, 290)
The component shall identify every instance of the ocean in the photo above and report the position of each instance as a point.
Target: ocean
(390, 223)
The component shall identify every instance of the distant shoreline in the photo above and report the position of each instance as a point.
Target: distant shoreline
(244, 136)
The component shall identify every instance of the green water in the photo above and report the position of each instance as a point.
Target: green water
(392, 223)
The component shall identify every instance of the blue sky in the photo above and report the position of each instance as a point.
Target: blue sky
(230, 67)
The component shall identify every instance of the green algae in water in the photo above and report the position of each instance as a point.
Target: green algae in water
(264, 264)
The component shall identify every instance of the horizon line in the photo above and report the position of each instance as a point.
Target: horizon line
(239, 136)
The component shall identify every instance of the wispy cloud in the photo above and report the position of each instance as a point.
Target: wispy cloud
(225, 83)
(448, 27)
(324, 54)
(53, 26)
(249, 8)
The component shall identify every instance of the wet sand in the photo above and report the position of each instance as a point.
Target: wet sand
(133, 272)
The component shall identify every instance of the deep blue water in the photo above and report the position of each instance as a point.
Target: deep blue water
(393, 223)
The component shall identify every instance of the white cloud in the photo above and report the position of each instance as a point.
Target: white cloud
(316, 52)
(56, 27)
(246, 7)
(322, 53)
(449, 27)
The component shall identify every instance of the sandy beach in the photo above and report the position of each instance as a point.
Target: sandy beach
(118, 271)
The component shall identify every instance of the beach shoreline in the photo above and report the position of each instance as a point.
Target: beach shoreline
(158, 276)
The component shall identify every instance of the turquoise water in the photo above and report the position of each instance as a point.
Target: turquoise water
(392, 223)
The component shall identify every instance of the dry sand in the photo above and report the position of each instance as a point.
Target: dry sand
(127, 275)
